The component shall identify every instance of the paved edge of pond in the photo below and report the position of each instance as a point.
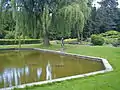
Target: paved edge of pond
(107, 66)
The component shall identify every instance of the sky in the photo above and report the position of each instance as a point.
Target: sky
(95, 2)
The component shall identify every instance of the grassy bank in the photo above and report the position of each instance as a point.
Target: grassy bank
(107, 81)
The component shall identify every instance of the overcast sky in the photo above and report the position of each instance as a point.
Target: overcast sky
(95, 2)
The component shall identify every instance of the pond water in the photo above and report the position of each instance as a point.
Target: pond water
(20, 67)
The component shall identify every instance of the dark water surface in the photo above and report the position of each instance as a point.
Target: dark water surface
(20, 67)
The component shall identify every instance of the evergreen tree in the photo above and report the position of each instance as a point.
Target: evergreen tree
(104, 18)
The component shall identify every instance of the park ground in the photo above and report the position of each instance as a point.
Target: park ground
(106, 81)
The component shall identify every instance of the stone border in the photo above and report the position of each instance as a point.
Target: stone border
(106, 64)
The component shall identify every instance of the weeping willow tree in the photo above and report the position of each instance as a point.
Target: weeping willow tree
(25, 19)
(18, 17)
(73, 16)
(31, 15)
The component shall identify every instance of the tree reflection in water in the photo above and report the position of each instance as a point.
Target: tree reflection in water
(39, 72)
(13, 76)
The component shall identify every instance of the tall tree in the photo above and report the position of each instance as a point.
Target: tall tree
(73, 16)
(90, 26)
(104, 18)
(6, 21)
(107, 14)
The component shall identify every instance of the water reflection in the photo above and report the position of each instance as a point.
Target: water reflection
(13, 76)
(39, 72)
(0, 79)
(26, 71)
(33, 66)
(48, 72)
(10, 76)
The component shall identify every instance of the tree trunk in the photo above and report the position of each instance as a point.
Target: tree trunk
(19, 44)
(78, 34)
(46, 41)
(81, 37)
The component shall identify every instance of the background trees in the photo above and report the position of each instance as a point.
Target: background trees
(53, 19)
(40, 18)
(104, 18)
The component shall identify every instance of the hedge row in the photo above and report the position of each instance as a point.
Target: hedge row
(15, 42)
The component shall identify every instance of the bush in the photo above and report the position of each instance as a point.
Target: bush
(70, 41)
(110, 40)
(97, 40)
(116, 43)
(10, 35)
(15, 42)
(111, 34)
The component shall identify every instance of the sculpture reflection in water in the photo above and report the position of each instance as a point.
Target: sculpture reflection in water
(48, 72)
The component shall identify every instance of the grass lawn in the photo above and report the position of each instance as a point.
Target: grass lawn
(107, 81)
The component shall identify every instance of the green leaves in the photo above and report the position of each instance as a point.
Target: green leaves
(35, 18)
(73, 17)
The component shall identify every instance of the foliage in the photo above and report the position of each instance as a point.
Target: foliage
(70, 41)
(10, 35)
(109, 40)
(103, 19)
(110, 37)
(116, 43)
(90, 26)
(107, 15)
(15, 42)
(97, 40)
(44, 18)
(111, 34)
(72, 17)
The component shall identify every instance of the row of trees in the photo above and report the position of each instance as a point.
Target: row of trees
(54, 19)
(44, 18)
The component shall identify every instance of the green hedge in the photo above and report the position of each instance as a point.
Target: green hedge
(15, 42)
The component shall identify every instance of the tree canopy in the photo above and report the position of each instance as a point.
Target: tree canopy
(104, 18)
(37, 18)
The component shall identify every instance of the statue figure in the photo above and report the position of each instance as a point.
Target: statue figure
(62, 44)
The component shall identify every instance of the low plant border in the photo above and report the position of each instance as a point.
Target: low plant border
(106, 64)
(17, 41)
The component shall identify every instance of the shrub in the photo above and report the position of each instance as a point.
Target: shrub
(97, 40)
(111, 34)
(15, 42)
(110, 40)
(10, 35)
(116, 43)
(70, 41)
